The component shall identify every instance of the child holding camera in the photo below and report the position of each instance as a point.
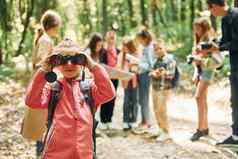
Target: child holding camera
(203, 75)
(70, 135)
(163, 80)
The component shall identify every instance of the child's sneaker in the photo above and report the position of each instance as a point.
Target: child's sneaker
(126, 127)
(103, 126)
(198, 134)
(142, 129)
(154, 133)
(133, 125)
(111, 126)
(163, 137)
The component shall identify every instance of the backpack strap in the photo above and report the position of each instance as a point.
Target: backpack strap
(85, 86)
(56, 88)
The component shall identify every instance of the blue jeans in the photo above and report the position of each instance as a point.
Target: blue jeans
(234, 101)
(144, 86)
(130, 105)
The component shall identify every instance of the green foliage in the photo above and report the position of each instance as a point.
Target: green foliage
(6, 72)
(167, 19)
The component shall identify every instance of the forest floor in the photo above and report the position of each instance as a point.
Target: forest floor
(117, 144)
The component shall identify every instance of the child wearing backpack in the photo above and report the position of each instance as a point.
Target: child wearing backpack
(70, 134)
(163, 79)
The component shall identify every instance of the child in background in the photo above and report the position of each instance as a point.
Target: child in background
(43, 42)
(145, 65)
(130, 105)
(106, 112)
(42, 47)
(203, 74)
(163, 75)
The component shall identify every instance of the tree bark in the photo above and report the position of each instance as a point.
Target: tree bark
(183, 10)
(1, 60)
(200, 5)
(162, 20)
(104, 15)
(192, 12)
(174, 9)
(143, 13)
(131, 12)
(30, 9)
(154, 12)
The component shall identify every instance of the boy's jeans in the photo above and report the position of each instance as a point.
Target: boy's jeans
(160, 98)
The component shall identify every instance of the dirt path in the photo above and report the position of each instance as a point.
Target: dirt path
(182, 112)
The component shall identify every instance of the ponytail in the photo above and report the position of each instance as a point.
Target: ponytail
(38, 33)
(146, 35)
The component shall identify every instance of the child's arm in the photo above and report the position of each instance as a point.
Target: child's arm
(38, 92)
(156, 73)
(102, 88)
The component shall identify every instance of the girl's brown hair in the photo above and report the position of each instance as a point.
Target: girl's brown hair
(206, 28)
(130, 45)
(145, 35)
(49, 19)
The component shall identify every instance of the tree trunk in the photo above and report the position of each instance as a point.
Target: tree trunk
(235, 3)
(143, 13)
(86, 17)
(154, 12)
(174, 9)
(200, 5)
(30, 9)
(162, 20)
(192, 12)
(131, 13)
(183, 10)
(1, 61)
(104, 15)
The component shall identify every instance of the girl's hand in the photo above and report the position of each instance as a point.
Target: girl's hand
(134, 68)
(90, 63)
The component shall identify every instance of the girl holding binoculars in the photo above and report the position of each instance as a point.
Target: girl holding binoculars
(70, 135)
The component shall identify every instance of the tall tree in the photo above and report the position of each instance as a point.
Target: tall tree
(192, 12)
(29, 10)
(200, 5)
(5, 19)
(1, 60)
(143, 7)
(183, 10)
(154, 9)
(85, 17)
(174, 8)
(131, 13)
(104, 16)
